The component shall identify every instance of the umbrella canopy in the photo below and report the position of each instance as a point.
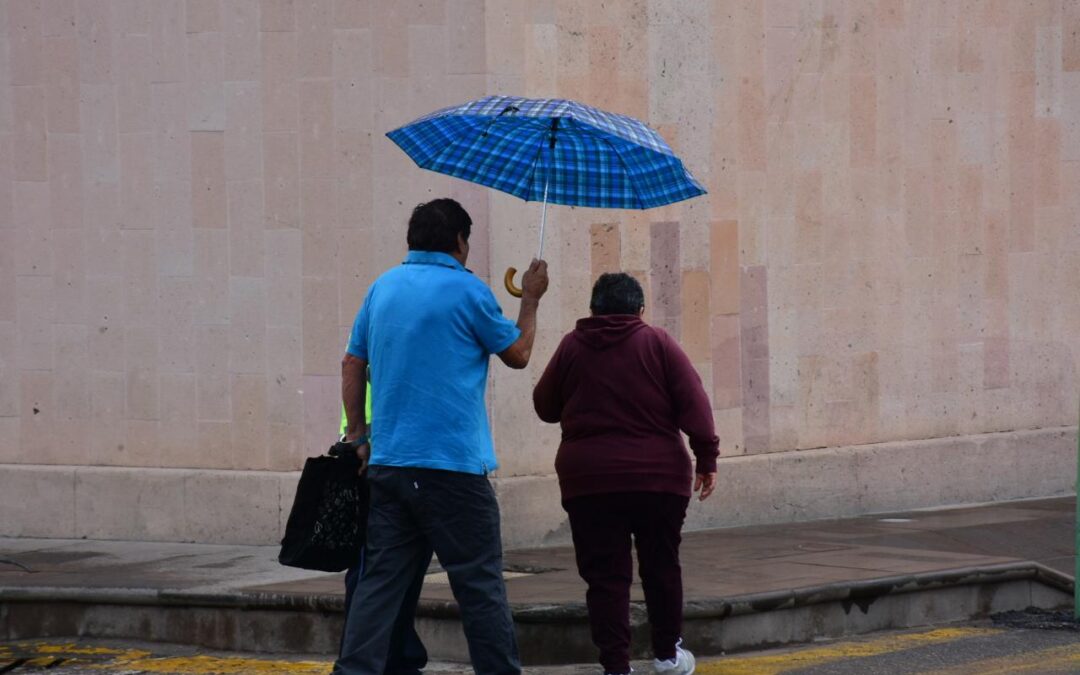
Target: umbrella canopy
(553, 150)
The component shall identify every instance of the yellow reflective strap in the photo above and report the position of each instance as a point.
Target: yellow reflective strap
(367, 411)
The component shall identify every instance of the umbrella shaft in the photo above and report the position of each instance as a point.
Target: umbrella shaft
(543, 222)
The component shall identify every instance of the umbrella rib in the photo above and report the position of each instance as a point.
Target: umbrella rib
(457, 142)
(626, 170)
(535, 163)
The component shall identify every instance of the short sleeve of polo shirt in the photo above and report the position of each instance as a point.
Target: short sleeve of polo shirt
(494, 332)
(358, 338)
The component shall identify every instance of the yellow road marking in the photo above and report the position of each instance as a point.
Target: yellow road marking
(139, 660)
(213, 665)
(1043, 660)
(772, 664)
(72, 649)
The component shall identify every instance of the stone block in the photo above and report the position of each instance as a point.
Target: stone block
(352, 14)
(29, 158)
(531, 511)
(136, 181)
(322, 411)
(279, 87)
(72, 394)
(727, 362)
(316, 129)
(895, 477)
(203, 15)
(248, 428)
(205, 88)
(240, 28)
(60, 20)
(241, 507)
(172, 142)
(62, 88)
(696, 317)
(287, 491)
(826, 484)
(285, 450)
(525, 446)
(33, 323)
(208, 179)
(134, 504)
(65, 182)
(37, 501)
(665, 280)
(10, 451)
(243, 131)
(95, 30)
(142, 394)
(25, 21)
(281, 171)
(215, 446)
(322, 349)
(178, 429)
(745, 493)
(283, 278)
(31, 215)
(278, 15)
(6, 173)
(31, 212)
(1049, 598)
(315, 25)
(247, 327)
(1044, 462)
(169, 38)
(353, 83)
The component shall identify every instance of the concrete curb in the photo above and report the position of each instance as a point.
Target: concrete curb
(548, 633)
(854, 592)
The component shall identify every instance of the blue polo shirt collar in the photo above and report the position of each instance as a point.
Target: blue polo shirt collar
(433, 258)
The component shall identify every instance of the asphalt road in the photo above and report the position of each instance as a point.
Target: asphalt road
(977, 649)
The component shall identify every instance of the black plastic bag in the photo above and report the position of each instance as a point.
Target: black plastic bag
(328, 521)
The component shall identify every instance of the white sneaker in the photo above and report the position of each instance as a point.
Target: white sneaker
(682, 664)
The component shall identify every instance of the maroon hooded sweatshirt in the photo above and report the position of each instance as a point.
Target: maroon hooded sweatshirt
(622, 390)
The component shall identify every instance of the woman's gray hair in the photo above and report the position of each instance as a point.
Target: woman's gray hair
(616, 293)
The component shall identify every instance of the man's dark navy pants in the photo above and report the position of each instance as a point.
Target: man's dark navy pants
(413, 513)
(407, 653)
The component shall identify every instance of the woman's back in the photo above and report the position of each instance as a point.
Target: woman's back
(622, 390)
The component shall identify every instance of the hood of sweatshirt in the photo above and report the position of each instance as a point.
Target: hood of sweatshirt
(601, 332)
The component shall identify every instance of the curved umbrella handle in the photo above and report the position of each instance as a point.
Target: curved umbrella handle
(508, 281)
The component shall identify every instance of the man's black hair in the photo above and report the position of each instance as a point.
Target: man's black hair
(616, 293)
(435, 225)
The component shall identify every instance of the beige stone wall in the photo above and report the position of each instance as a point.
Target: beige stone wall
(195, 194)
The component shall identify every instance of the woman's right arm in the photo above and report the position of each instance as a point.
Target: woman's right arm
(692, 408)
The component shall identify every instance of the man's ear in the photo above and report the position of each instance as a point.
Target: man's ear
(462, 244)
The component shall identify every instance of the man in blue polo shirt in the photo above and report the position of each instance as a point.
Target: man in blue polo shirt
(427, 329)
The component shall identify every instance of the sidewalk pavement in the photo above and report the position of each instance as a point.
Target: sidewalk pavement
(728, 573)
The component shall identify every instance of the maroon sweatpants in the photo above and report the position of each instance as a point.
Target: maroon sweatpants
(602, 527)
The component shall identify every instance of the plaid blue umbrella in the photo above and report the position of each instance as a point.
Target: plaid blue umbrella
(574, 154)
(552, 150)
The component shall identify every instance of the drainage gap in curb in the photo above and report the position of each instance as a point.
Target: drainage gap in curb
(1038, 619)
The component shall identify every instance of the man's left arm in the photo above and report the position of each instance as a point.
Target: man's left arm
(354, 397)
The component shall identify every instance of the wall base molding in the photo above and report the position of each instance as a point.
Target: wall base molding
(250, 507)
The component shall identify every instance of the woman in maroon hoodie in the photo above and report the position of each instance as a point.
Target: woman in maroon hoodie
(622, 391)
